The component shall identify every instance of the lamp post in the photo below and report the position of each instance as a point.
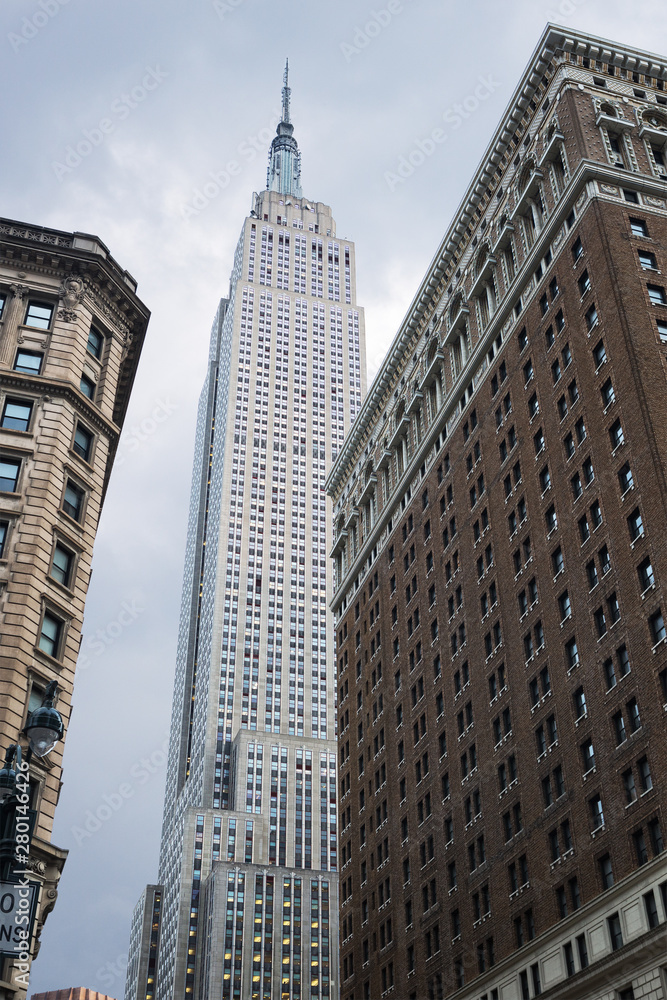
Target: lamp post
(43, 728)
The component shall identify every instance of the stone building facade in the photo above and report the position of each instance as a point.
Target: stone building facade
(499, 512)
(71, 332)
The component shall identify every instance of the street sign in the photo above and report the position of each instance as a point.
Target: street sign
(18, 903)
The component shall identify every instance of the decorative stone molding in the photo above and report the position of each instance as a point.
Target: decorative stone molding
(70, 293)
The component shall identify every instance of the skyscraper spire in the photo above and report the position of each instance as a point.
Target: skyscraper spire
(284, 173)
(286, 92)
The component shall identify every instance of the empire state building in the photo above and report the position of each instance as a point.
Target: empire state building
(246, 901)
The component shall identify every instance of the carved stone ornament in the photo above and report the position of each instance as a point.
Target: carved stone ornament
(36, 866)
(71, 292)
(655, 202)
(19, 291)
(609, 189)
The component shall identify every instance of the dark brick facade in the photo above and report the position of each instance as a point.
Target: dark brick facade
(511, 617)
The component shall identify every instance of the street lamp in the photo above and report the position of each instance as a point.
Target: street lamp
(44, 726)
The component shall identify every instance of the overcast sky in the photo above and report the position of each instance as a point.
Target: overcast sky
(186, 90)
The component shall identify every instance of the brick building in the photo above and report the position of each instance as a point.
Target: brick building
(499, 512)
(71, 332)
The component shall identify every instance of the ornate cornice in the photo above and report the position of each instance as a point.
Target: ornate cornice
(554, 39)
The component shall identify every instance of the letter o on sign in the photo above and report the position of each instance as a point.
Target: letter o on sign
(7, 902)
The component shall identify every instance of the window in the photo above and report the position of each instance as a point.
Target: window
(577, 250)
(9, 474)
(83, 442)
(592, 574)
(656, 621)
(638, 228)
(538, 441)
(587, 756)
(591, 317)
(616, 435)
(39, 315)
(634, 719)
(528, 371)
(576, 485)
(587, 469)
(579, 702)
(635, 525)
(645, 574)
(549, 336)
(28, 362)
(50, 634)
(95, 343)
(599, 354)
(61, 567)
(645, 774)
(557, 562)
(625, 478)
(73, 500)
(571, 654)
(607, 393)
(4, 529)
(596, 518)
(555, 371)
(545, 479)
(597, 815)
(584, 283)
(647, 260)
(615, 934)
(655, 836)
(656, 294)
(16, 414)
(87, 387)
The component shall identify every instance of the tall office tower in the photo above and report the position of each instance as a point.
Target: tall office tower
(248, 890)
(71, 332)
(499, 513)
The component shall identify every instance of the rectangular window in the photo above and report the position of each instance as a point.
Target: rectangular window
(95, 342)
(87, 387)
(16, 414)
(9, 474)
(61, 567)
(39, 315)
(83, 442)
(28, 362)
(50, 635)
(656, 294)
(73, 500)
(4, 528)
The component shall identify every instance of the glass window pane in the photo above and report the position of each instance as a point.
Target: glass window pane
(39, 315)
(50, 634)
(29, 362)
(9, 474)
(95, 342)
(16, 415)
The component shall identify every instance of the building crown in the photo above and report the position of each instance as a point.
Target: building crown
(284, 173)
